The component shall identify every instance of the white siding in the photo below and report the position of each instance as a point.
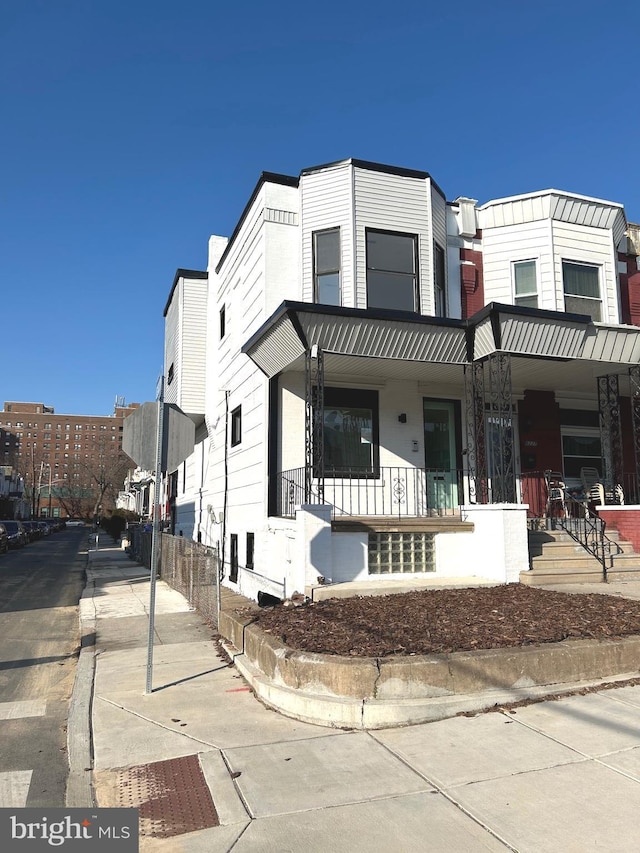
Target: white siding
(326, 199)
(173, 344)
(281, 248)
(394, 203)
(502, 246)
(194, 346)
(589, 245)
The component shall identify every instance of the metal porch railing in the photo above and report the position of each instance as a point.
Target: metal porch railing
(387, 491)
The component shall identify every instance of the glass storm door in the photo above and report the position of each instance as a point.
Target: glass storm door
(440, 454)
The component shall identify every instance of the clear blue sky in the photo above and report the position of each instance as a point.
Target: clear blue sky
(134, 130)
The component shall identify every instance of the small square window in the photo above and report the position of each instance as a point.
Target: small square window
(236, 426)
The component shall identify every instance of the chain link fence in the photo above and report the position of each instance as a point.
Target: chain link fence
(187, 566)
(192, 570)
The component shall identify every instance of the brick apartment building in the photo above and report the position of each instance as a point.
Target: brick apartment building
(71, 464)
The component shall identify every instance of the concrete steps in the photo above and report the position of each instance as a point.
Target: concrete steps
(557, 558)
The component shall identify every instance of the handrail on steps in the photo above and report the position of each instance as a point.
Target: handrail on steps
(584, 525)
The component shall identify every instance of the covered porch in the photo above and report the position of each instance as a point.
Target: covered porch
(390, 415)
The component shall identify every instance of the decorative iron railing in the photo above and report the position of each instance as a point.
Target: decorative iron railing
(587, 528)
(386, 491)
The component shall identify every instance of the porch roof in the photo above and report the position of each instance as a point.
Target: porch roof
(550, 349)
(281, 342)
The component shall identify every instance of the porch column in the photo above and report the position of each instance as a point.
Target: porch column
(314, 423)
(475, 422)
(503, 483)
(634, 382)
(610, 429)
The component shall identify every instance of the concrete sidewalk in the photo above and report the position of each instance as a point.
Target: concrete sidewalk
(211, 769)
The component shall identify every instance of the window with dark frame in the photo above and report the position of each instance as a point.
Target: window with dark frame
(236, 426)
(223, 322)
(581, 284)
(233, 558)
(439, 282)
(392, 263)
(326, 266)
(250, 550)
(351, 433)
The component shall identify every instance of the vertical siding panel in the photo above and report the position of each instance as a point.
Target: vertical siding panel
(592, 246)
(393, 203)
(194, 345)
(502, 246)
(325, 202)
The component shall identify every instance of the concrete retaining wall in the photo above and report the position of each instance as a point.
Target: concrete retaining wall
(377, 692)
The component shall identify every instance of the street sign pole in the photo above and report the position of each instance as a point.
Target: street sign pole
(155, 535)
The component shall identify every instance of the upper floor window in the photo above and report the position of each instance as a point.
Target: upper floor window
(236, 426)
(326, 266)
(392, 280)
(581, 283)
(170, 374)
(525, 285)
(439, 282)
(223, 322)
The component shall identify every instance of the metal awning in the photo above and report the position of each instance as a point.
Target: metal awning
(281, 342)
(550, 349)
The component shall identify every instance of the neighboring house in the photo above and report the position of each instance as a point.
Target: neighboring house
(13, 503)
(380, 377)
(137, 494)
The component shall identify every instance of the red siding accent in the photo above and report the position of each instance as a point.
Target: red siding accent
(630, 290)
(540, 444)
(539, 423)
(471, 282)
(626, 521)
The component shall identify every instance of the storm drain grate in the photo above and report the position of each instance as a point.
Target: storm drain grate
(173, 796)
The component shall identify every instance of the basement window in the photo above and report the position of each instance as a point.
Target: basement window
(401, 553)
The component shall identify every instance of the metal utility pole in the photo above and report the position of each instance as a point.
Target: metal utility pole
(155, 535)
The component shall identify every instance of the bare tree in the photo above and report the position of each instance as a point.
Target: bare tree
(103, 471)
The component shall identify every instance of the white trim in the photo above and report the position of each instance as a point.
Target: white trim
(528, 260)
(550, 192)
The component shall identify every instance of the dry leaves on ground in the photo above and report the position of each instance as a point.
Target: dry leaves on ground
(447, 620)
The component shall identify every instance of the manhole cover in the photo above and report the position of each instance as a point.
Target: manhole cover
(172, 796)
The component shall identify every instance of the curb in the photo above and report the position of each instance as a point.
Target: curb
(80, 792)
(372, 693)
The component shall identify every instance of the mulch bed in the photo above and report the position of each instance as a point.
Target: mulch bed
(448, 620)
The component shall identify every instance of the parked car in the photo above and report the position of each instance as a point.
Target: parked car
(44, 527)
(33, 530)
(17, 535)
(4, 540)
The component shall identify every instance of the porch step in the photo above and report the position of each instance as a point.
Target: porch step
(557, 558)
(385, 524)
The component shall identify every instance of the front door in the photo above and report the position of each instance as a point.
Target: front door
(440, 454)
